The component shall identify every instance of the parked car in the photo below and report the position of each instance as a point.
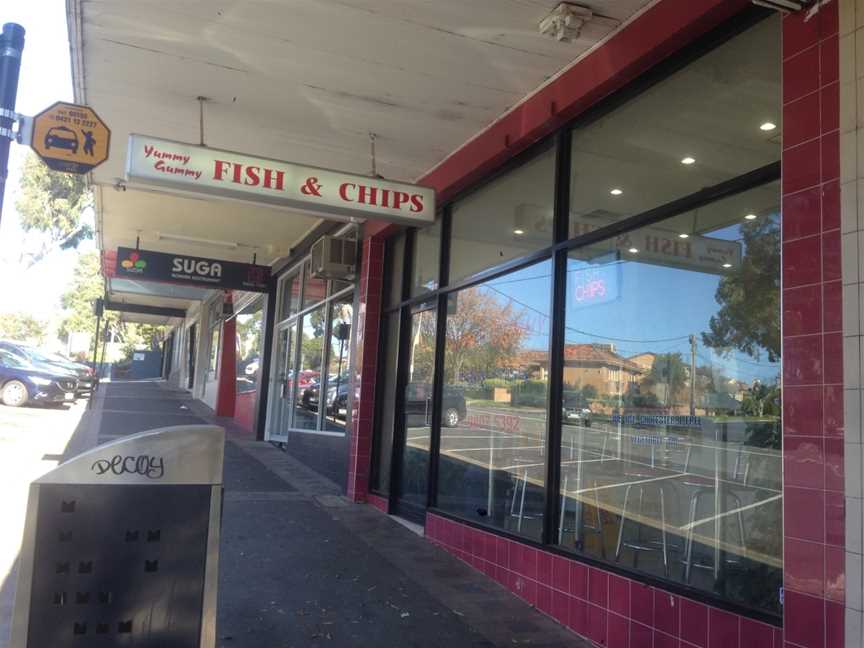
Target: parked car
(418, 405)
(22, 383)
(576, 416)
(53, 363)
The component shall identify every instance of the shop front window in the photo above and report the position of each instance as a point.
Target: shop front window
(308, 376)
(338, 377)
(494, 404)
(425, 260)
(314, 288)
(290, 298)
(671, 458)
(250, 333)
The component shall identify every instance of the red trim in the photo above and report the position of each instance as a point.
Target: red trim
(225, 399)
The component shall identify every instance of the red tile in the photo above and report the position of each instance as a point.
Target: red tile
(529, 562)
(801, 120)
(835, 569)
(835, 518)
(829, 20)
(804, 620)
(640, 635)
(834, 480)
(596, 630)
(544, 568)
(800, 76)
(832, 345)
(829, 109)
(544, 600)
(578, 616)
(830, 156)
(641, 603)
(618, 631)
(835, 625)
(798, 35)
(801, 213)
(830, 206)
(561, 607)
(803, 514)
(561, 568)
(801, 168)
(831, 266)
(694, 623)
(722, 629)
(832, 306)
(802, 361)
(666, 612)
(619, 595)
(579, 580)
(598, 587)
(803, 566)
(804, 462)
(755, 634)
(802, 310)
(802, 262)
(662, 640)
(833, 411)
(802, 409)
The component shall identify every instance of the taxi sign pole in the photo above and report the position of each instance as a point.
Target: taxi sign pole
(11, 46)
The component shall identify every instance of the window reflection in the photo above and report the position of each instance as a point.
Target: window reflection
(290, 299)
(338, 363)
(308, 377)
(424, 267)
(250, 329)
(671, 427)
(493, 425)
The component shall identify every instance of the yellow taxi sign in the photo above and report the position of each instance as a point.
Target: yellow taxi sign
(70, 138)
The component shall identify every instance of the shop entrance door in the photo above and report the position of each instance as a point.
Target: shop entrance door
(191, 361)
(415, 418)
(283, 383)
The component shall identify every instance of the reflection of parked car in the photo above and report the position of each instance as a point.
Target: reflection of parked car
(576, 416)
(21, 383)
(61, 137)
(418, 405)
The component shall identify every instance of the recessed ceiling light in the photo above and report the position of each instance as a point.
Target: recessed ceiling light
(633, 250)
(727, 265)
(616, 192)
(683, 235)
(519, 232)
(688, 160)
(768, 126)
(750, 217)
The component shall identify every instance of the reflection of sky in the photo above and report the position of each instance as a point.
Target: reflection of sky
(647, 308)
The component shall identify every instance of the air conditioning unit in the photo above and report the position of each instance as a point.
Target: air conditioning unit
(334, 258)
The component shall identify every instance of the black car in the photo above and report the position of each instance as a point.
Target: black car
(53, 363)
(418, 405)
(22, 383)
(61, 137)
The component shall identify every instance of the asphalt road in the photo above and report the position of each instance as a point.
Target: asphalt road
(27, 436)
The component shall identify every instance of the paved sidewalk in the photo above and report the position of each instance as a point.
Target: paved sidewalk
(302, 566)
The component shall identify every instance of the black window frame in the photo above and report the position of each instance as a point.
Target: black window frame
(561, 141)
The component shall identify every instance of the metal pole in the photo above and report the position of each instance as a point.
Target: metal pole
(96, 343)
(11, 46)
(692, 375)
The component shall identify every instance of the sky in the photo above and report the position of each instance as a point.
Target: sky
(45, 78)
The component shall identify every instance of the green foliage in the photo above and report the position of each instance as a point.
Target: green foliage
(22, 327)
(53, 203)
(670, 372)
(749, 296)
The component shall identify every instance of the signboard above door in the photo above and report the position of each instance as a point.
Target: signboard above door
(196, 271)
(326, 193)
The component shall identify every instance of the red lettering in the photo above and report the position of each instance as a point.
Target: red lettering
(416, 203)
(343, 191)
(385, 198)
(252, 177)
(238, 168)
(220, 169)
(399, 197)
(269, 177)
(365, 192)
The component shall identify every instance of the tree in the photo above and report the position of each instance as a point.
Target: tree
(670, 371)
(749, 296)
(53, 203)
(483, 334)
(22, 327)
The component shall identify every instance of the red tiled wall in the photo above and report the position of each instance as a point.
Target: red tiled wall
(366, 350)
(609, 610)
(812, 334)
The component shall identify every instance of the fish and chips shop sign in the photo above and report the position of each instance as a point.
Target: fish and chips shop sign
(196, 271)
(190, 169)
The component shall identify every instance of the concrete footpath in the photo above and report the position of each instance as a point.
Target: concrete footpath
(303, 566)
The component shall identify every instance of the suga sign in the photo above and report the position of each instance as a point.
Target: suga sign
(185, 168)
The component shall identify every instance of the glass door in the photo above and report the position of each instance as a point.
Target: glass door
(416, 416)
(283, 382)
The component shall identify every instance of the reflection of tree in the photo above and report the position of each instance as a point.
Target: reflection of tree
(670, 371)
(313, 340)
(749, 296)
(248, 335)
(483, 335)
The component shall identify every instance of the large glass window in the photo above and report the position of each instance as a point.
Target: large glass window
(290, 298)
(496, 375)
(250, 333)
(425, 260)
(308, 377)
(338, 364)
(670, 457)
(314, 289)
(714, 120)
(508, 218)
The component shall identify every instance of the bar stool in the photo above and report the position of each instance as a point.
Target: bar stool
(520, 489)
(639, 545)
(580, 526)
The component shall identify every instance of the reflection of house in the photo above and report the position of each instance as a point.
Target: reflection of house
(644, 360)
(599, 366)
